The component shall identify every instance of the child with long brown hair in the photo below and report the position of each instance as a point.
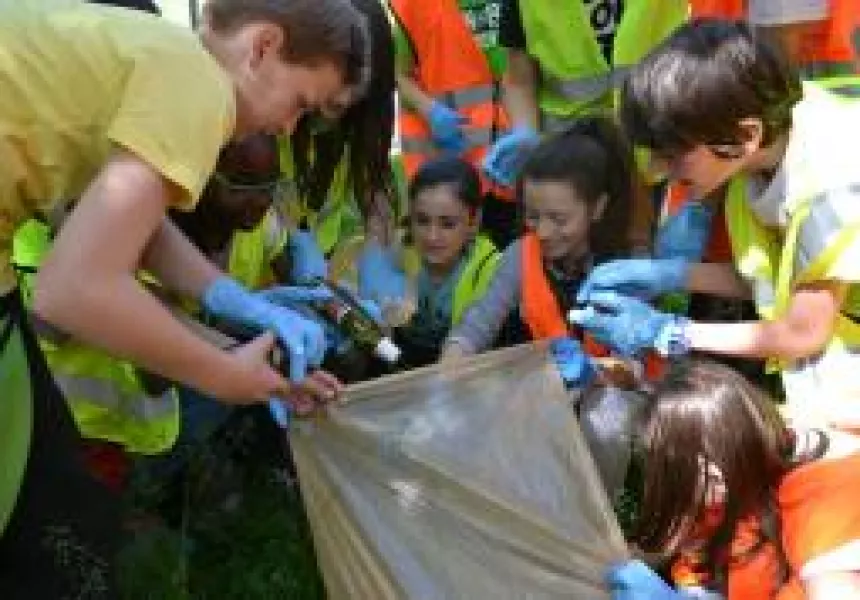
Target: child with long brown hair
(739, 504)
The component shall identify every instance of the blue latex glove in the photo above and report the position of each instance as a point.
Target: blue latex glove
(625, 324)
(634, 580)
(446, 128)
(302, 299)
(685, 234)
(293, 296)
(282, 412)
(379, 279)
(573, 364)
(635, 276)
(507, 156)
(308, 261)
(303, 339)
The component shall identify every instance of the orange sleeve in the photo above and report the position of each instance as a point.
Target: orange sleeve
(723, 9)
(820, 507)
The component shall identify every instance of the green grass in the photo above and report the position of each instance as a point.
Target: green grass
(236, 532)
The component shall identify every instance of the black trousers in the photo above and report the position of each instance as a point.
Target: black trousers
(64, 531)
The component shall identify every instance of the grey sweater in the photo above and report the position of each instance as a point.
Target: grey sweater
(481, 322)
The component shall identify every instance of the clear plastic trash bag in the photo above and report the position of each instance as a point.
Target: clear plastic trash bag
(466, 482)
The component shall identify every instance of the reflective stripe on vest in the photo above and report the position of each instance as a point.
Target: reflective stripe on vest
(463, 98)
(90, 378)
(574, 73)
(106, 395)
(450, 67)
(458, 100)
(587, 88)
(774, 267)
(474, 138)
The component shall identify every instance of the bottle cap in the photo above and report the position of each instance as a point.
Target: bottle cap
(387, 350)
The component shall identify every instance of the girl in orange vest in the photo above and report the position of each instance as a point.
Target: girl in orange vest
(739, 505)
(575, 191)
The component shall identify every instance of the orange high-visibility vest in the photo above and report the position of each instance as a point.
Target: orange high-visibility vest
(818, 48)
(829, 47)
(542, 315)
(718, 9)
(450, 67)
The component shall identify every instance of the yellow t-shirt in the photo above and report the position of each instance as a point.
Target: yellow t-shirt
(78, 79)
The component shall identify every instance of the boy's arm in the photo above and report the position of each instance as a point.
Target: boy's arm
(805, 329)
(88, 288)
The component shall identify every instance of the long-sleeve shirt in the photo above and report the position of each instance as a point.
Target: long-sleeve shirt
(479, 328)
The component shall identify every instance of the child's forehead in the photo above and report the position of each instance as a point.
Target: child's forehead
(551, 192)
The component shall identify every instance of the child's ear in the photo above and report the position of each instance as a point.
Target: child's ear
(599, 208)
(752, 134)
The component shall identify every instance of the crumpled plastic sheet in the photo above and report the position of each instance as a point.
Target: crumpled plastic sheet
(466, 482)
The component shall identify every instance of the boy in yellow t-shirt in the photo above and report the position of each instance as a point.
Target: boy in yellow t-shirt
(127, 113)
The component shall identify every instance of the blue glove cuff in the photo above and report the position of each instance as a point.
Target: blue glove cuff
(678, 269)
(673, 339)
(224, 296)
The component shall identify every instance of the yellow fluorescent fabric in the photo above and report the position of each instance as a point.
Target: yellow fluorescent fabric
(474, 483)
(79, 79)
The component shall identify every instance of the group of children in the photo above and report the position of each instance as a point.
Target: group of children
(739, 501)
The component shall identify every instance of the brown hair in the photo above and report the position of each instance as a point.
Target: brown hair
(706, 413)
(593, 157)
(701, 82)
(314, 29)
(361, 137)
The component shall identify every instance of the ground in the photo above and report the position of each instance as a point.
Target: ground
(230, 526)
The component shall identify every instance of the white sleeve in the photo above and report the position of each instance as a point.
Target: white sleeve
(846, 558)
(785, 12)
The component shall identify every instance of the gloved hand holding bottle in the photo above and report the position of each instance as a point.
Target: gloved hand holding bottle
(446, 128)
(630, 326)
(642, 277)
(508, 154)
(302, 338)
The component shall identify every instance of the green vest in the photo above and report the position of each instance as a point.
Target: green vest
(105, 394)
(16, 419)
(477, 274)
(337, 220)
(252, 252)
(809, 249)
(575, 78)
